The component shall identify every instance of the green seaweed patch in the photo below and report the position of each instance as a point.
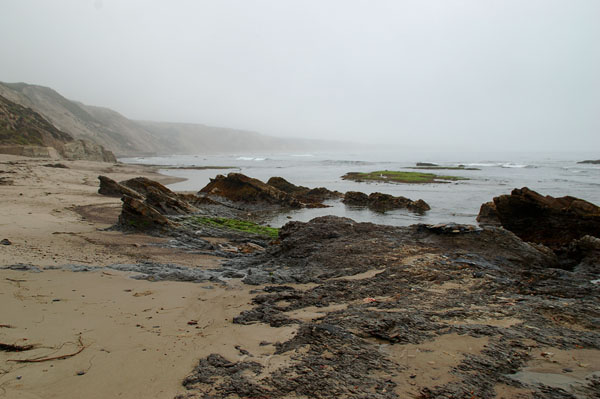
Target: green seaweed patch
(400, 177)
(239, 225)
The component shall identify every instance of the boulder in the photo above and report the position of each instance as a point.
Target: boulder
(141, 216)
(285, 186)
(488, 215)
(554, 222)
(240, 188)
(384, 202)
(111, 188)
(356, 198)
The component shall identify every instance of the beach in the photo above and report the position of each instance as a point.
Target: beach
(136, 335)
(421, 311)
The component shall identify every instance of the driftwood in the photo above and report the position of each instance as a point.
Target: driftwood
(45, 359)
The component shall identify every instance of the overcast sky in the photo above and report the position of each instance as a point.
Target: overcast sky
(472, 74)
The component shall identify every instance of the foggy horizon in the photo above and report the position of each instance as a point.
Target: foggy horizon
(456, 75)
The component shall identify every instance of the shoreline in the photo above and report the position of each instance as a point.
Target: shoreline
(414, 310)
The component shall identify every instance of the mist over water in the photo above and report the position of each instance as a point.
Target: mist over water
(556, 174)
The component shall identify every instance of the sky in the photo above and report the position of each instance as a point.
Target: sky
(519, 75)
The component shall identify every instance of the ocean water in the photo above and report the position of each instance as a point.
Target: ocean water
(556, 174)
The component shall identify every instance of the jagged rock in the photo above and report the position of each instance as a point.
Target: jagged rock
(383, 202)
(140, 216)
(285, 186)
(144, 185)
(488, 214)
(111, 188)
(310, 196)
(168, 204)
(241, 188)
(356, 198)
(554, 222)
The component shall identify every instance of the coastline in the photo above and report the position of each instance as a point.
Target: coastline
(406, 314)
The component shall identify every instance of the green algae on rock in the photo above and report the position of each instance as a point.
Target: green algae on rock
(400, 177)
(239, 225)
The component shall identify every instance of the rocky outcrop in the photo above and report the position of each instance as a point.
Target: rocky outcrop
(384, 202)
(488, 214)
(240, 188)
(111, 188)
(281, 184)
(591, 161)
(140, 216)
(356, 198)
(553, 222)
(309, 196)
(146, 202)
(87, 150)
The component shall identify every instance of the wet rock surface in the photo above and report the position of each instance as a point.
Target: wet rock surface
(308, 196)
(384, 202)
(240, 188)
(554, 222)
(382, 289)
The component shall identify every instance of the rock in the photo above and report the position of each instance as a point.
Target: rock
(427, 164)
(356, 198)
(309, 196)
(383, 202)
(285, 186)
(111, 188)
(140, 216)
(56, 165)
(5, 241)
(168, 204)
(591, 161)
(84, 149)
(240, 188)
(144, 185)
(554, 222)
(488, 214)
(318, 194)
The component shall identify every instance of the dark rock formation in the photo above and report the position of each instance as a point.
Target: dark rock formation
(239, 188)
(309, 196)
(553, 222)
(384, 202)
(141, 216)
(356, 198)
(281, 184)
(591, 161)
(488, 214)
(427, 164)
(111, 188)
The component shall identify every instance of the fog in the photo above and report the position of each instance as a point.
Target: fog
(472, 74)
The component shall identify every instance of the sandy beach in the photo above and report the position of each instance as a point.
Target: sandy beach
(140, 338)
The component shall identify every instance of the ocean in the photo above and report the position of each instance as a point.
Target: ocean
(556, 174)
